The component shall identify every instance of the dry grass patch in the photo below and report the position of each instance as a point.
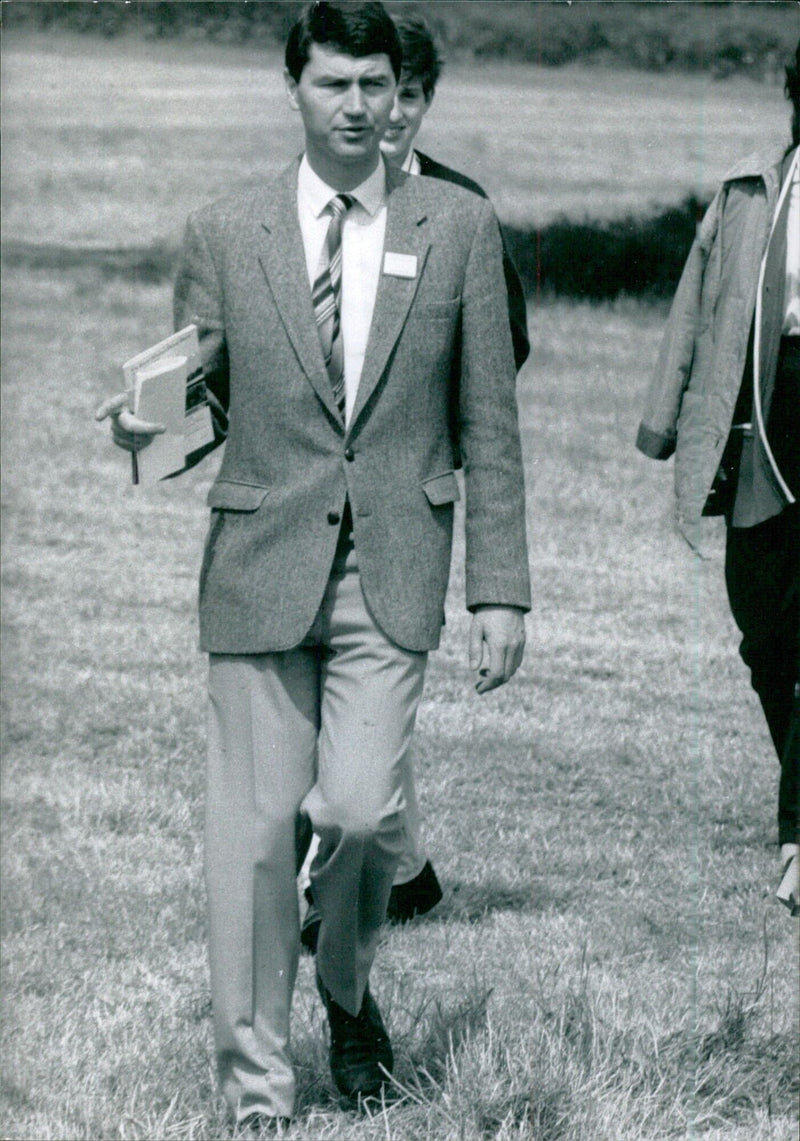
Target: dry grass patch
(607, 963)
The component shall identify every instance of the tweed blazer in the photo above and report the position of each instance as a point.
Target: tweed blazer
(517, 307)
(290, 464)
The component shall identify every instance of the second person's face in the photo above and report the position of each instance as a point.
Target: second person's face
(409, 109)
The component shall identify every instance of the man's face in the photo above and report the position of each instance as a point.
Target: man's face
(345, 103)
(408, 111)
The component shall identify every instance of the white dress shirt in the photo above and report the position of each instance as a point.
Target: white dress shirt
(363, 236)
(411, 163)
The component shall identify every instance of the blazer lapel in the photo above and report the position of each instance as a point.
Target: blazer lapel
(406, 233)
(280, 252)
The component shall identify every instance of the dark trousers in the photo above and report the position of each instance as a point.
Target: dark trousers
(762, 573)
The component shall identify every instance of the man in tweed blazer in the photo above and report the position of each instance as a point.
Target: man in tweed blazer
(327, 560)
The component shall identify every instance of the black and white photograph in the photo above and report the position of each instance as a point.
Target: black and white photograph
(400, 570)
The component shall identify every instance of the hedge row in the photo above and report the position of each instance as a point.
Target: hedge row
(594, 261)
(599, 261)
(756, 38)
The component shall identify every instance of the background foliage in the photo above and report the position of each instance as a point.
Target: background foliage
(593, 260)
(721, 37)
(599, 260)
(598, 175)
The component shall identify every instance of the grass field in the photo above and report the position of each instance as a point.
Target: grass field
(147, 131)
(608, 963)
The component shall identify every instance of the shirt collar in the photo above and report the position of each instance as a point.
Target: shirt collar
(411, 163)
(316, 194)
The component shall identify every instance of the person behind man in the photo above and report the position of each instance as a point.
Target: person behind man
(330, 304)
(422, 66)
(416, 888)
(728, 406)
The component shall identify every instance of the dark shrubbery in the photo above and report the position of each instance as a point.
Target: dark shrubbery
(593, 261)
(235, 21)
(724, 37)
(754, 38)
(601, 260)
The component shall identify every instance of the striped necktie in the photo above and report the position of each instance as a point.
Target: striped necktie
(326, 296)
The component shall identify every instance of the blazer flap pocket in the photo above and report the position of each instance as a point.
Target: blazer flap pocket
(442, 488)
(228, 495)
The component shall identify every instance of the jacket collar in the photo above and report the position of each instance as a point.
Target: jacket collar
(280, 252)
(279, 246)
(764, 166)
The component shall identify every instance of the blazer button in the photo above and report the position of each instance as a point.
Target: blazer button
(334, 517)
(349, 455)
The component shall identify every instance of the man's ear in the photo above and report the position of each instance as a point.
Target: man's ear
(291, 89)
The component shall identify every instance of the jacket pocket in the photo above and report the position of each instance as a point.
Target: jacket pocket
(436, 309)
(441, 489)
(229, 495)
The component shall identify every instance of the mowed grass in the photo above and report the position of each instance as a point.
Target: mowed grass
(608, 963)
(145, 131)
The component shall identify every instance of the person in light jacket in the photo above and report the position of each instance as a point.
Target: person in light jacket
(725, 400)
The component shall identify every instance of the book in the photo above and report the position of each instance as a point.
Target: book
(160, 396)
(196, 430)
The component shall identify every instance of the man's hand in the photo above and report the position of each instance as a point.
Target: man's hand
(127, 430)
(496, 644)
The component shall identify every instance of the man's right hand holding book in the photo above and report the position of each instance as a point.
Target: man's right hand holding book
(127, 430)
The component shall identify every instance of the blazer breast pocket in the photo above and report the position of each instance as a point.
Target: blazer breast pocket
(231, 495)
(436, 310)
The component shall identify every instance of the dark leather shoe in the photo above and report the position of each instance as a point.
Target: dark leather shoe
(415, 897)
(359, 1047)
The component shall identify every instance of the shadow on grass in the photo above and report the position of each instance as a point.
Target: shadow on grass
(470, 902)
(472, 1078)
(448, 1029)
(429, 1041)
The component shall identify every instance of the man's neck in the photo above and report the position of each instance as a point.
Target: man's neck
(343, 177)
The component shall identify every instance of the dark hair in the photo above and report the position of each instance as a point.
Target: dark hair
(421, 59)
(792, 89)
(353, 28)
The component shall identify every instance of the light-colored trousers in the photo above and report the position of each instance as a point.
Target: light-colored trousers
(413, 858)
(313, 737)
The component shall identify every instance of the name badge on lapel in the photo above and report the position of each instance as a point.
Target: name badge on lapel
(400, 265)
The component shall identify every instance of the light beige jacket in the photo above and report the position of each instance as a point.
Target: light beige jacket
(692, 396)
